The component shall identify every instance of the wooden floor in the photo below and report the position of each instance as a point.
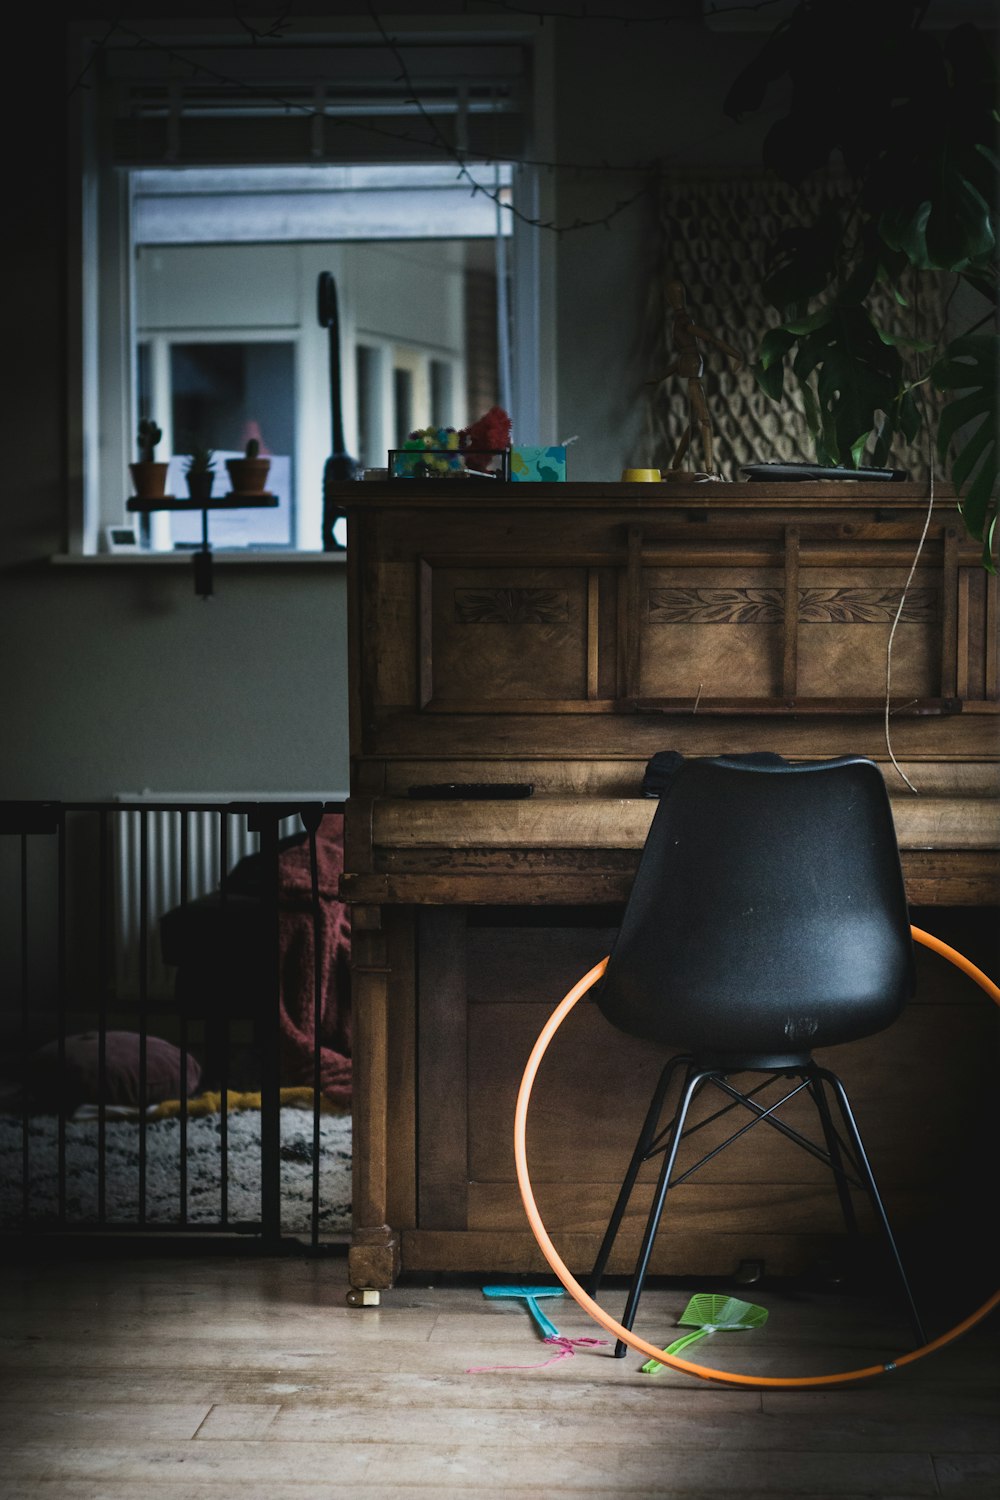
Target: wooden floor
(233, 1378)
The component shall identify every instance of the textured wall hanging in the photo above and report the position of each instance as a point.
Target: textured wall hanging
(713, 233)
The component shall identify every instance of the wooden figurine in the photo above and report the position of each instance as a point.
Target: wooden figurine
(689, 362)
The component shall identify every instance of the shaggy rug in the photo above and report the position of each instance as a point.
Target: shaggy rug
(163, 1175)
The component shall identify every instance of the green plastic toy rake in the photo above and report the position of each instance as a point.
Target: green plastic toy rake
(709, 1313)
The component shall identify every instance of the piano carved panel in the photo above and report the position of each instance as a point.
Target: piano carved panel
(493, 637)
(504, 634)
(705, 634)
(781, 618)
(845, 619)
(764, 604)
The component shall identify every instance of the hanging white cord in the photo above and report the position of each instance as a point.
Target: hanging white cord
(892, 632)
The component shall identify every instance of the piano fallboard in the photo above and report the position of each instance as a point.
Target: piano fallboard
(565, 849)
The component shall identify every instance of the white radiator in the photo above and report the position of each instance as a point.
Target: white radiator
(180, 865)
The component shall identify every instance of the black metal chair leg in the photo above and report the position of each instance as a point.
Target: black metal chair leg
(833, 1146)
(868, 1176)
(694, 1080)
(646, 1137)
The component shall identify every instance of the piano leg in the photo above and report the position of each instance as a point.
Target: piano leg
(373, 1259)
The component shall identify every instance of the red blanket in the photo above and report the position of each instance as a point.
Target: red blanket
(332, 930)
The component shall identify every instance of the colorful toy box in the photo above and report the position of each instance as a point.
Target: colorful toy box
(541, 465)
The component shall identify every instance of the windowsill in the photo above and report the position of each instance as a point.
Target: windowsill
(222, 559)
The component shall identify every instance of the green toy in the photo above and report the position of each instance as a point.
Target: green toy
(710, 1313)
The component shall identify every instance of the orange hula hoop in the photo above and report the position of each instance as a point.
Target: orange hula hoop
(706, 1372)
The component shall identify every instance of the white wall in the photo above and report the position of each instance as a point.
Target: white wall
(120, 680)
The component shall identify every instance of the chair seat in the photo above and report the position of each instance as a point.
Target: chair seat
(751, 1062)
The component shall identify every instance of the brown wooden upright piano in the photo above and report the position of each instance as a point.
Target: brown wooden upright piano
(558, 636)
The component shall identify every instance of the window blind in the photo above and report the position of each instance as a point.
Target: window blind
(203, 105)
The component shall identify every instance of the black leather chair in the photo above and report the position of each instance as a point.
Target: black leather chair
(767, 918)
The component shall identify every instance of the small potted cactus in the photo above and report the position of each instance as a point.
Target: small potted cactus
(248, 474)
(199, 471)
(148, 476)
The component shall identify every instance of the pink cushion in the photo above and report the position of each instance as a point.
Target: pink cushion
(78, 1082)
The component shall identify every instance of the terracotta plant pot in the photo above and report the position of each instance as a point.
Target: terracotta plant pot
(248, 475)
(149, 479)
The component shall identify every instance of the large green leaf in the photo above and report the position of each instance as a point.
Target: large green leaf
(969, 427)
(770, 367)
(903, 341)
(802, 262)
(908, 417)
(939, 220)
(905, 419)
(853, 378)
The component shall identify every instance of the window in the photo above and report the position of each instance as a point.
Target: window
(199, 304)
(229, 342)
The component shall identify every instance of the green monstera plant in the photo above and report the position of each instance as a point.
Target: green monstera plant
(909, 115)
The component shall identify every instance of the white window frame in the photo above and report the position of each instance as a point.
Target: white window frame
(379, 396)
(101, 363)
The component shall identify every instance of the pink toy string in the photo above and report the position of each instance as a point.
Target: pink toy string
(566, 1351)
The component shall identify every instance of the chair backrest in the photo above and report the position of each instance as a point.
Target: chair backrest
(768, 914)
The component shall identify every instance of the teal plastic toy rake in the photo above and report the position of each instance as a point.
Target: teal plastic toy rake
(710, 1313)
(528, 1295)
